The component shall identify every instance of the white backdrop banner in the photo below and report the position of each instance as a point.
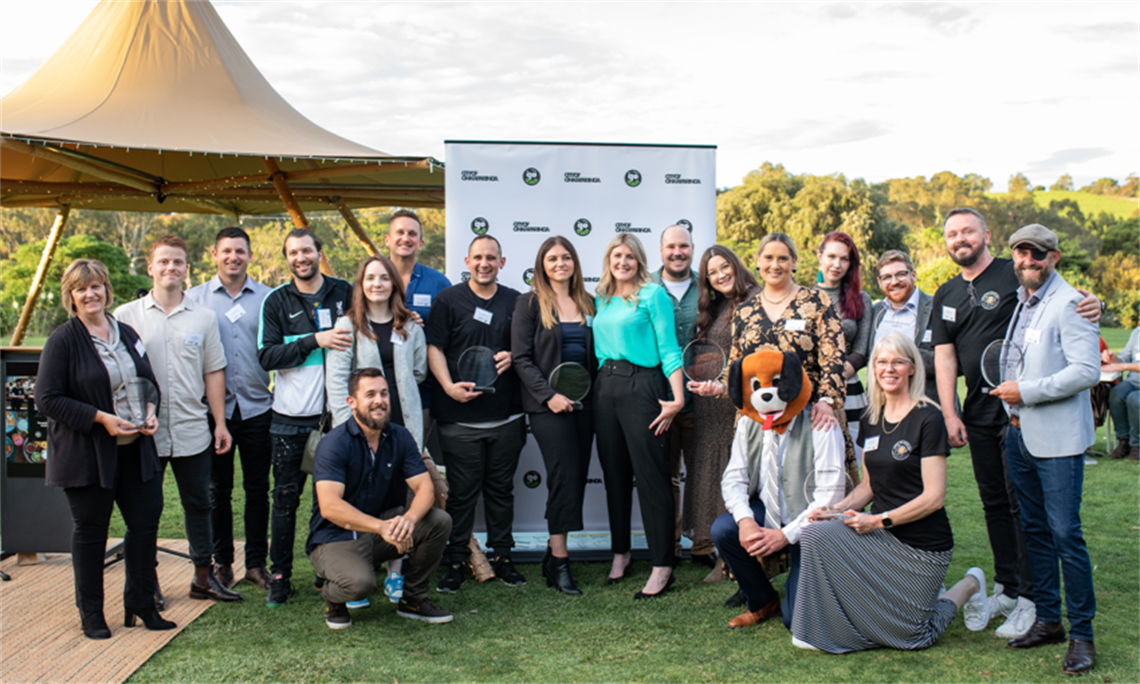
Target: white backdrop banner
(523, 193)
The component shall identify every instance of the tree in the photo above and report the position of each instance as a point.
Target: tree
(1102, 186)
(1019, 185)
(1063, 184)
(1122, 237)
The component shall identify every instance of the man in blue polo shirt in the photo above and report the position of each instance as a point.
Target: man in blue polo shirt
(359, 520)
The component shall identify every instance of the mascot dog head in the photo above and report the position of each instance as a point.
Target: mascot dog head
(770, 387)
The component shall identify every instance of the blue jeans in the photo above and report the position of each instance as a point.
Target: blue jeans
(1049, 492)
(1124, 405)
(749, 572)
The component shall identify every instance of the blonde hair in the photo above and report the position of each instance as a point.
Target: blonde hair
(81, 273)
(784, 239)
(606, 285)
(904, 347)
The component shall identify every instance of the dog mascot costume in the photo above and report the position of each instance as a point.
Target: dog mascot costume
(766, 485)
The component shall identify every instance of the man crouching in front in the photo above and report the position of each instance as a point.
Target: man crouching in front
(361, 475)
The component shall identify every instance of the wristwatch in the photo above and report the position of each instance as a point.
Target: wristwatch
(827, 400)
(886, 518)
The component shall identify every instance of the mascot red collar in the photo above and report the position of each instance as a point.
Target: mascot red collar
(770, 387)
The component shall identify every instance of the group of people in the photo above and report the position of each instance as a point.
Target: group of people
(382, 359)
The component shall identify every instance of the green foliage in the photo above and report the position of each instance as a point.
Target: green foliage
(1019, 185)
(1122, 237)
(1064, 183)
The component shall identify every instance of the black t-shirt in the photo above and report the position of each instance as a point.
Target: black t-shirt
(970, 327)
(459, 320)
(383, 332)
(894, 467)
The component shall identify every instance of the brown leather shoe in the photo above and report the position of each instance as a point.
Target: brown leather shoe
(1039, 634)
(225, 574)
(1080, 659)
(1134, 454)
(750, 619)
(1121, 449)
(257, 577)
(214, 590)
(159, 599)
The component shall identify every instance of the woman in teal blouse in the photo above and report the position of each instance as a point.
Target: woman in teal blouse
(640, 362)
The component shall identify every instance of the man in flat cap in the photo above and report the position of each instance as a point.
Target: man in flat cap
(1051, 425)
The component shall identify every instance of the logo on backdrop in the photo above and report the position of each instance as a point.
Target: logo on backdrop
(575, 177)
(630, 228)
(531, 176)
(633, 178)
(532, 479)
(677, 179)
(990, 300)
(479, 226)
(525, 227)
(686, 224)
(901, 450)
(583, 227)
(474, 176)
(528, 275)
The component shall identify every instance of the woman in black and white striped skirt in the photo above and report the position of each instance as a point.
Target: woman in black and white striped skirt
(869, 580)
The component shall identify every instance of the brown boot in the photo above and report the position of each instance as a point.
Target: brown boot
(1121, 449)
(1134, 454)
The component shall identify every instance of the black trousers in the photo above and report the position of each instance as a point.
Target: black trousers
(192, 473)
(288, 483)
(481, 460)
(1003, 515)
(140, 504)
(625, 403)
(254, 448)
(566, 441)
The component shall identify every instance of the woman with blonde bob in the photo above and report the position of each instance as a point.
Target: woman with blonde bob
(552, 326)
(870, 580)
(640, 364)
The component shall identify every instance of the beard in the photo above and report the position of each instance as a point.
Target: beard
(366, 419)
(968, 260)
(314, 269)
(1032, 279)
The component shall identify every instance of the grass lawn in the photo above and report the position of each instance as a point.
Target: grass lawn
(532, 633)
(1091, 205)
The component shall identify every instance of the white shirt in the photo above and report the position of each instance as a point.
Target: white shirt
(903, 320)
(677, 288)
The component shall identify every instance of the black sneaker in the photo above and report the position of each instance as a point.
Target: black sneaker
(454, 578)
(280, 589)
(505, 570)
(423, 611)
(336, 615)
(318, 582)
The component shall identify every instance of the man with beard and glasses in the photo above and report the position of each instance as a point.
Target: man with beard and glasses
(970, 311)
(481, 433)
(1051, 425)
(295, 327)
(356, 526)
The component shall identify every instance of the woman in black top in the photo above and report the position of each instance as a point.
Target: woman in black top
(552, 325)
(874, 579)
(99, 459)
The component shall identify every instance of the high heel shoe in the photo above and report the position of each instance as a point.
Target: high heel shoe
(646, 595)
(557, 573)
(150, 618)
(94, 625)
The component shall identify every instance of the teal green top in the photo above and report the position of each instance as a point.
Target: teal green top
(644, 334)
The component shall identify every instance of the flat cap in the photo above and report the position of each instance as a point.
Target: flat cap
(1034, 235)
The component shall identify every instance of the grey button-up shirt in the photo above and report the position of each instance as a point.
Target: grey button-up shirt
(1023, 314)
(903, 320)
(183, 346)
(247, 383)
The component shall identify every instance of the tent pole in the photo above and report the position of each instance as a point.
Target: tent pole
(294, 209)
(41, 275)
(354, 224)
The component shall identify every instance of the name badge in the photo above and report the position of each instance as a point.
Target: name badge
(871, 443)
(421, 300)
(235, 313)
(1033, 336)
(140, 348)
(483, 316)
(397, 338)
(795, 325)
(194, 340)
(589, 321)
(324, 319)
(949, 313)
(928, 336)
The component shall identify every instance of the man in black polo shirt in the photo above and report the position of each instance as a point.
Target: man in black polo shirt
(481, 433)
(358, 523)
(970, 311)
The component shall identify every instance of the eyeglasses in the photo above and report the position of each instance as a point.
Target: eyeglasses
(900, 276)
(896, 364)
(972, 292)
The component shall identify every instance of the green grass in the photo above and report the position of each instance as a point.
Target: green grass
(1091, 205)
(533, 634)
(29, 341)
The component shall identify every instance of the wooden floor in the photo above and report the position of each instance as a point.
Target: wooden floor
(40, 636)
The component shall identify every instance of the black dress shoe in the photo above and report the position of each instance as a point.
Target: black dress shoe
(150, 618)
(706, 559)
(557, 573)
(213, 590)
(1039, 634)
(628, 571)
(646, 595)
(94, 625)
(736, 600)
(1080, 659)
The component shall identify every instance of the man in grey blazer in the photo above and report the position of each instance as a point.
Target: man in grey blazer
(906, 309)
(1051, 425)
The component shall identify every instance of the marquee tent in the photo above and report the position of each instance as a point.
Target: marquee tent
(154, 106)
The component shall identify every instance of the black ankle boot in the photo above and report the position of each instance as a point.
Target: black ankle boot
(94, 625)
(149, 617)
(557, 573)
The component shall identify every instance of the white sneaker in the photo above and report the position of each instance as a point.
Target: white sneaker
(1020, 620)
(1000, 604)
(976, 612)
(803, 644)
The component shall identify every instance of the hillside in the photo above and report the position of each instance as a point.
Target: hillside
(1091, 205)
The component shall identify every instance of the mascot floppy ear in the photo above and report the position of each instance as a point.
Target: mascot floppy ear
(735, 385)
(791, 377)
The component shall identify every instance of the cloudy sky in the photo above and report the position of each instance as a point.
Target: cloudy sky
(874, 91)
